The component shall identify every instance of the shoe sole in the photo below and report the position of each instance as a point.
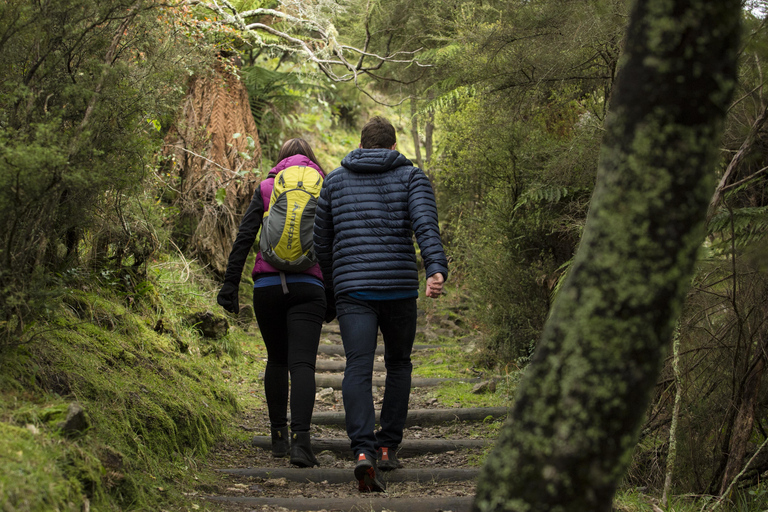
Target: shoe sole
(367, 481)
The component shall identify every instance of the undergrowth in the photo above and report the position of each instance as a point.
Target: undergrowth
(155, 394)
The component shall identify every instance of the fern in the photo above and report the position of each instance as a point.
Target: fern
(548, 195)
(267, 88)
(743, 226)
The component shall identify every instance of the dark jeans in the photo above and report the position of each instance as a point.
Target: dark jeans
(360, 321)
(290, 325)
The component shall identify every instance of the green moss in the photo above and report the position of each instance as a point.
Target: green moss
(151, 409)
(36, 472)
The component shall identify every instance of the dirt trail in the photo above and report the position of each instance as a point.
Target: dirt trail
(440, 454)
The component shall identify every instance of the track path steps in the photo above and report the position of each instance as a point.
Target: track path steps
(441, 450)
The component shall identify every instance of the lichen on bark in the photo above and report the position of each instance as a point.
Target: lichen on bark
(575, 418)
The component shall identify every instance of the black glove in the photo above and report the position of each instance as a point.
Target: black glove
(228, 298)
(330, 305)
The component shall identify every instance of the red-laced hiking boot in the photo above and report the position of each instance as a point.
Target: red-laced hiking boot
(387, 459)
(367, 475)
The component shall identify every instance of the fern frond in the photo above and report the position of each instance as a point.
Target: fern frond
(742, 226)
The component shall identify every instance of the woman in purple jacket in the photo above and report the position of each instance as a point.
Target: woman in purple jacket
(289, 322)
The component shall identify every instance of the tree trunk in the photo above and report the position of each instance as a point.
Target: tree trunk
(745, 419)
(577, 412)
(415, 134)
(672, 452)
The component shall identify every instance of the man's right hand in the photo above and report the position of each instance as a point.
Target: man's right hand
(228, 299)
(435, 285)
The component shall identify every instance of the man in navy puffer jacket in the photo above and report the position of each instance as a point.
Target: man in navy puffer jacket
(368, 211)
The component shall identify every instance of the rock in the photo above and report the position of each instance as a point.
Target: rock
(326, 458)
(245, 316)
(76, 421)
(326, 395)
(487, 386)
(209, 324)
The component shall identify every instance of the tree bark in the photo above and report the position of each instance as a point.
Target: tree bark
(578, 409)
(744, 421)
(672, 452)
(415, 134)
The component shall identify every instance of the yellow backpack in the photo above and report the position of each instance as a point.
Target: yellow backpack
(286, 231)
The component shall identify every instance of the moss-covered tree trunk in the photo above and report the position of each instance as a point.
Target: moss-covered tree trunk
(576, 414)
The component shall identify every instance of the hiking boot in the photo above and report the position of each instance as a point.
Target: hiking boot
(368, 475)
(387, 459)
(301, 451)
(279, 442)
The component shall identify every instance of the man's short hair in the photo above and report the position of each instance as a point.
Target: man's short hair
(378, 133)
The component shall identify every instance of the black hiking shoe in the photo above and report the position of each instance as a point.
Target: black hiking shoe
(280, 442)
(367, 475)
(387, 459)
(301, 451)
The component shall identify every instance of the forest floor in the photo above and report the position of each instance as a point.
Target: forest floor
(250, 479)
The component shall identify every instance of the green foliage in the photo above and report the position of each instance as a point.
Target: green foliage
(85, 86)
(520, 125)
(521, 190)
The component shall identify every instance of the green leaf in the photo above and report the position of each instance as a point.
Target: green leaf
(221, 195)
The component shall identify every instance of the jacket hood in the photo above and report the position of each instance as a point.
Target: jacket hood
(374, 160)
(295, 160)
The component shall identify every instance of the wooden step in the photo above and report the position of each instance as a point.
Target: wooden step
(378, 502)
(338, 365)
(325, 380)
(408, 448)
(340, 475)
(422, 416)
(338, 350)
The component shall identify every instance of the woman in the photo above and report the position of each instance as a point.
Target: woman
(289, 322)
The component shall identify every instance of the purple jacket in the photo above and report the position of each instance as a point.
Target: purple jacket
(265, 187)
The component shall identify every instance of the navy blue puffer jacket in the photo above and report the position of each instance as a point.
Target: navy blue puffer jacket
(368, 211)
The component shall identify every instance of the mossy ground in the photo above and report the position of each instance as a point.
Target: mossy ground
(152, 389)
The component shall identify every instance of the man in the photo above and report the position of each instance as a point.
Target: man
(368, 211)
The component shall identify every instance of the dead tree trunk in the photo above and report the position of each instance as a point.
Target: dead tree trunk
(577, 412)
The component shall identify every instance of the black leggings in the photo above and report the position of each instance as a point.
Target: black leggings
(290, 325)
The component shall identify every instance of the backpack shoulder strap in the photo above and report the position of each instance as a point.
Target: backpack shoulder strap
(266, 187)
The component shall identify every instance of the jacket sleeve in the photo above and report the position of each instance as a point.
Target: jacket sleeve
(324, 234)
(246, 236)
(422, 209)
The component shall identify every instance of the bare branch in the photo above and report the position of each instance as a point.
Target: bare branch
(320, 47)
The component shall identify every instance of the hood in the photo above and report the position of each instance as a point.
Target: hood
(295, 160)
(374, 160)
